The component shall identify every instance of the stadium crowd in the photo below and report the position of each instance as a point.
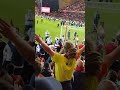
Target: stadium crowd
(77, 6)
(100, 72)
(60, 71)
(71, 16)
(73, 12)
(15, 70)
(63, 68)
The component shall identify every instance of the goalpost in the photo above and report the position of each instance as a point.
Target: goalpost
(66, 27)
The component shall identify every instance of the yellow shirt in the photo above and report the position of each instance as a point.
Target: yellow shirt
(64, 67)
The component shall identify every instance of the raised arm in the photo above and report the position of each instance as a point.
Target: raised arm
(22, 46)
(44, 45)
(110, 58)
(80, 52)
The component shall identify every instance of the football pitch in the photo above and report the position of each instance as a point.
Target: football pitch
(51, 27)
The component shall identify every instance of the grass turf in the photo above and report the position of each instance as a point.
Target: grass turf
(51, 26)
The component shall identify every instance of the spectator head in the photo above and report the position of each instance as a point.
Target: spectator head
(68, 49)
(107, 85)
(68, 45)
(60, 39)
(93, 63)
(71, 53)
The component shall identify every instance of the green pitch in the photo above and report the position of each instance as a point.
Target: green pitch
(54, 31)
(109, 17)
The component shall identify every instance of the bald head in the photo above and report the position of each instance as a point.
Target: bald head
(107, 85)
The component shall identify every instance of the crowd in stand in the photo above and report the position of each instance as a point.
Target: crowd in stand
(15, 70)
(102, 65)
(73, 12)
(71, 16)
(19, 74)
(77, 6)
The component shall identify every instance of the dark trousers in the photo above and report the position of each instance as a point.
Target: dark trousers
(66, 85)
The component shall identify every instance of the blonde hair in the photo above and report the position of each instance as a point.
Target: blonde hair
(68, 45)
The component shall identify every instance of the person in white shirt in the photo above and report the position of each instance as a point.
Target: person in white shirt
(49, 41)
(7, 55)
(56, 40)
(37, 48)
(63, 39)
(47, 34)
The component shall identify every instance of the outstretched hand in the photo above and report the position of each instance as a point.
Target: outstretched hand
(6, 29)
(38, 38)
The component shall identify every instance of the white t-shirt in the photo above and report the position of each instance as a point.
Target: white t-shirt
(49, 40)
(47, 34)
(56, 40)
(7, 54)
(63, 40)
(37, 48)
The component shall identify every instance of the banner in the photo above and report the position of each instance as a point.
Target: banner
(45, 9)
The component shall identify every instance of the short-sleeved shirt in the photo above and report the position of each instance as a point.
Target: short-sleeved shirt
(64, 67)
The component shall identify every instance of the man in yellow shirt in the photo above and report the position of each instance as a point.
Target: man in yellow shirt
(64, 63)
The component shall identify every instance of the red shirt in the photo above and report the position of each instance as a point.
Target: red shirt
(110, 47)
(81, 45)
